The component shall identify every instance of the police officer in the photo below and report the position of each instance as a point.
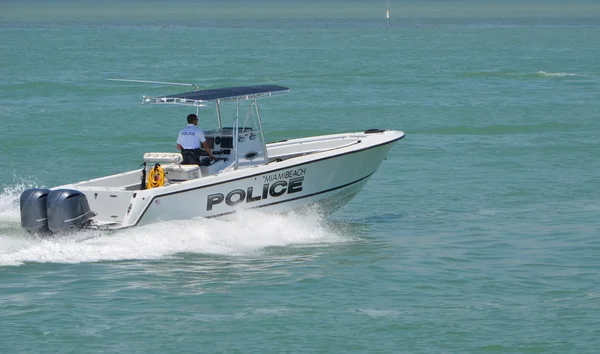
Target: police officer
(189, 140)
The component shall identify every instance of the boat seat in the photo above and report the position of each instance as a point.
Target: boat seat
(178, 173)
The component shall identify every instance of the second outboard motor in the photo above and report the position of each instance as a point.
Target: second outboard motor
(33, 210)
(67, 209)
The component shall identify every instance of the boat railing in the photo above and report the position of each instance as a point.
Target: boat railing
(236, 133)
(317, 139)
(228, 131)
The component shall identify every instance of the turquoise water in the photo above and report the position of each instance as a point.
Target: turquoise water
(479, 233)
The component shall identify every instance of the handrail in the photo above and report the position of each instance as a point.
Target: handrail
(235, 142)
(315, 151)
(262, 136)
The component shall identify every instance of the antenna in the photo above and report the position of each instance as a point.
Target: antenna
(387, 14)
(196, 88)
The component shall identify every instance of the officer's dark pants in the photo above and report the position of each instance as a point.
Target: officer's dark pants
(191, 156)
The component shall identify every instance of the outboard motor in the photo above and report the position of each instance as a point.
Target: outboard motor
(33, 210)
(67, 209)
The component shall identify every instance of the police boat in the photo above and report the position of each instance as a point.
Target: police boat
(324, 171)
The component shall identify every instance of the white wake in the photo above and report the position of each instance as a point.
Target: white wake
(245, 233)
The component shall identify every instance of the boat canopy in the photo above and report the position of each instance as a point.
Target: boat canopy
(198, 98)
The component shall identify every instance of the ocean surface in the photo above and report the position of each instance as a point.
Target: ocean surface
(480, 233)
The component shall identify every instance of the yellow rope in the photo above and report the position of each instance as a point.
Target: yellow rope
(156, 177)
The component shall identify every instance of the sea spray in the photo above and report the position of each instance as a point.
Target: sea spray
(245, 234)
(9, 198)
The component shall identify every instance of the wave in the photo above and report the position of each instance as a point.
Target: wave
(516, 75)
(547, 74)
